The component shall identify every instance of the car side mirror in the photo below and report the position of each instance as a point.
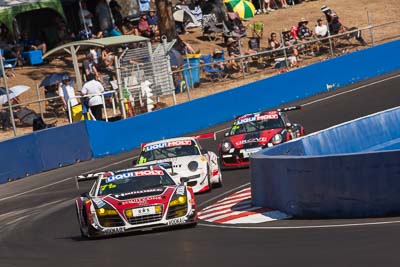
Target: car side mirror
(86, 194)
(203, 151)
(288, 125)
(184, 180)
(226, 134)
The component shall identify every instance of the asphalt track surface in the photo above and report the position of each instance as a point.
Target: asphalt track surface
(38, 224)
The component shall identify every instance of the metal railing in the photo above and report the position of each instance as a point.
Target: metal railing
(372, 34)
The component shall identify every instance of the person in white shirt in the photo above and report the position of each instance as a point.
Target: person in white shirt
(321, 30)
(67, 93)
(93, 90)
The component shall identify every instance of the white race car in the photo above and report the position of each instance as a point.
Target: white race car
(187, 159)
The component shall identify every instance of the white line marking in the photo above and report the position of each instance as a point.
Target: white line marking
(17, 220)
(244, 203)
(64, 180)
(231, 202)
(223, 194)
(299, 227)
(351, 90)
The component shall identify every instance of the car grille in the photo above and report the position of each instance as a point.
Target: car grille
(177, 211)
(145, 219)
(111, 221)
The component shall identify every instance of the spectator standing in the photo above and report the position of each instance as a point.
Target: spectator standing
(89, 67)
(93, 90)
(335, 26)
(67, 93)
(116, 13)
(103, 16)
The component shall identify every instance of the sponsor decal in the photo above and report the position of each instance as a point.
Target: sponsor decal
(99, 203)
(114, 230)
(141, 200)
(140, 192)
(180, 190)
(177, 221)
(168, 144)
(133, 174)
(252, 140)
(258, 117)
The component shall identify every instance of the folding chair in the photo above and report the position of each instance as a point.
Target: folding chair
(209, 70)
(211, 27)
(257, 29)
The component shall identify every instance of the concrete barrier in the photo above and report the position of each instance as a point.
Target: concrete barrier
(43, 150)
(347, 171)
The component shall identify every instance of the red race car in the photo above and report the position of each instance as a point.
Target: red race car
(140, 198)
(252, 132)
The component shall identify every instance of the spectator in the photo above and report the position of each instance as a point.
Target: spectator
(144, 6)
(5, 120)
(85, 17)
(31, 44)
(103, 16)
(289, 40)
(89, 67)
(183, 47)
(303, 32)
(152, 19)
(116, 13)
(284, 4)
(268, 4)
(93, 90)
(274, 41)
(335, 26)
(144, 27)
(320, 30)
(67, 93)
(129, 28)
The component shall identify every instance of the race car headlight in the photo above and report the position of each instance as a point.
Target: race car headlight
(277, 139)
(181, 200)
(193, 165)
(106, 212)
(226, 146)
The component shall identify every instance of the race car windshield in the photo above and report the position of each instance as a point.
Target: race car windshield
(133, 183)
(257, 125)
(169, 152)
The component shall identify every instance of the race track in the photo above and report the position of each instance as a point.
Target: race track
(39, 227)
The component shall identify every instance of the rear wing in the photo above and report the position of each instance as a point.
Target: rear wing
(89, 176)
(200, 136)
(288, 109)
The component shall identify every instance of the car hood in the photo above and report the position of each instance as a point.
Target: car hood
(134, 199)
(254, 139)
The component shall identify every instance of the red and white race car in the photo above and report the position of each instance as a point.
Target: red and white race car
(188, 160)
(140, 198)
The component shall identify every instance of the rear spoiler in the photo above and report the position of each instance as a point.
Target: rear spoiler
(205, 136)
(200, 136)
(288, 109)
(88, 176)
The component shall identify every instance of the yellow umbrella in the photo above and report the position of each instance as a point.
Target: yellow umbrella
(244, 8)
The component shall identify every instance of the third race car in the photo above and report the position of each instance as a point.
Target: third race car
(253, 132)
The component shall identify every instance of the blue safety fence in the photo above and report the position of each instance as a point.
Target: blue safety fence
(224, 106)
(43, 150)
(334, 173)
(97, 139)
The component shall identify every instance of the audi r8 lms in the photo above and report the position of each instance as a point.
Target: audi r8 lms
(253, 132)
(188, 160)
(140, 198)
